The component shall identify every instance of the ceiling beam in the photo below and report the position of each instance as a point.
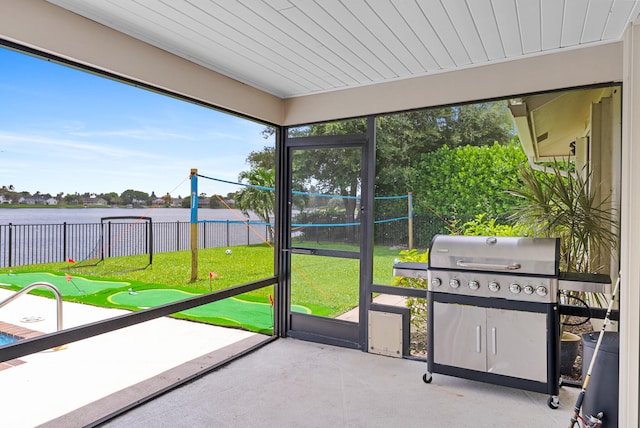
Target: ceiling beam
(565, 69)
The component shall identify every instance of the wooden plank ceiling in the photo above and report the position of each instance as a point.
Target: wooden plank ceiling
(291, 48)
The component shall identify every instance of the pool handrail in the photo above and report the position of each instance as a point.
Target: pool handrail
(40, 285)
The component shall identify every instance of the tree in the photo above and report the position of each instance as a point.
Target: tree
(256, 196)
(482, 124)
(401, 140)
(8, 192)
(73, 199)
(131, 196)
(264, 158)
(112, 198)
(333, 171)
(411, 156)
(214, 202)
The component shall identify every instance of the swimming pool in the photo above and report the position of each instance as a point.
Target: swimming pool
(6, 339)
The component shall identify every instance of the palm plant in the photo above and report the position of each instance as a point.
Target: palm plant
(258, 195)
(568, 208)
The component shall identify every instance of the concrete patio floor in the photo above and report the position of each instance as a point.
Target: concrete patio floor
(291, 383)
(287, 382)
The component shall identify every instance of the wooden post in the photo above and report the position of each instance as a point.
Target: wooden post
(194, 224)
(410, 220)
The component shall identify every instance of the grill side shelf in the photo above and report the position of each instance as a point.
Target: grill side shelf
(584, 282)
(411, 270)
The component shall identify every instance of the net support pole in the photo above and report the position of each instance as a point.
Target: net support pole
(410, 219)
(194, 225)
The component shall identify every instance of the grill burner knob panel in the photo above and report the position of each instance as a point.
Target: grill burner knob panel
(494, 286)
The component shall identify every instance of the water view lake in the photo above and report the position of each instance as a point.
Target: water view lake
(93, 215)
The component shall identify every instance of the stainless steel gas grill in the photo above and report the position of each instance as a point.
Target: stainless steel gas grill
(493, 309)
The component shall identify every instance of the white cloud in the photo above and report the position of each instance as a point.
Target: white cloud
(148, 134)
(23, 143)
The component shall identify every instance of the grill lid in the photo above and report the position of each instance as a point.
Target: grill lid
(533, 256)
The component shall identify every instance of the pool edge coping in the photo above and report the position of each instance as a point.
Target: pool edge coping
(20, 333)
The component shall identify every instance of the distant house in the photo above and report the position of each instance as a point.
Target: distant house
(94, 201)
(37, 200)
(4, 200)
(27, 201)
(137, 203)
(176, 202)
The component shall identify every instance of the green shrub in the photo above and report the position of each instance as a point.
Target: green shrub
(416, 305)
(483, 226)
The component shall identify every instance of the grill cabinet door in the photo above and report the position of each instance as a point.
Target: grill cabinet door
(517, 344)
(459, 336)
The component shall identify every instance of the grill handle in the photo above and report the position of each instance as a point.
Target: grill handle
(487, 266)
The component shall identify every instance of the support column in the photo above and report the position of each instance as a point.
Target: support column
(282, 237)
(630, 234)
(194, 225)
(410, 220)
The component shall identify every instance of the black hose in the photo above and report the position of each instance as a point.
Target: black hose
(587, 319)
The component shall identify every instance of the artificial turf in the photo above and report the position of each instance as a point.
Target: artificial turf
(67, 284)
(249, 313)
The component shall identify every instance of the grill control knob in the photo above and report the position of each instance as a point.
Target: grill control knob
(515, 288)
(474, 285)
(454, 283)
(528, 289)
(494, 286)
(436, 282)
(541, 291)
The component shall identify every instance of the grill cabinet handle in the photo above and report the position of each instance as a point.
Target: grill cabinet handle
(494, 338)
(488, 266)
(478, 339)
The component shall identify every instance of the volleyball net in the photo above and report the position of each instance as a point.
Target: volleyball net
(315, 215)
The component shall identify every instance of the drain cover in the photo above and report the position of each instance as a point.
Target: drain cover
(32, 319)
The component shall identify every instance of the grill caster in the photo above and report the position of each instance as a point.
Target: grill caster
(427, 378)
(553, 402)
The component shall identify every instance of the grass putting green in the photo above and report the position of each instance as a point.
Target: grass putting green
(67, 284)
(247, 312)
(233, 311)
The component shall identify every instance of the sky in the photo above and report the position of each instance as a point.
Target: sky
(65, 130)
